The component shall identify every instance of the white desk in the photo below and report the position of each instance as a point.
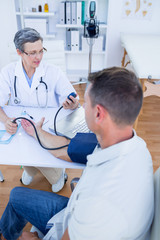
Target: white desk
(25, 150)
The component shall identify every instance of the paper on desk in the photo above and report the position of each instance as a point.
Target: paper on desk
(4, 136)
(33, 114)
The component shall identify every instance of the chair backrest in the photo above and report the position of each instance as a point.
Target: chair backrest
(155, 228)
(55, 53)
(13, 56)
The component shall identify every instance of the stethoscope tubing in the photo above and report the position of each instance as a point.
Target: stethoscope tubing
(18, 101)
(50, 149)
(41, 81)
(15, 89)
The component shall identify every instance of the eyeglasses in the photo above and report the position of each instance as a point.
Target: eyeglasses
(32, 55)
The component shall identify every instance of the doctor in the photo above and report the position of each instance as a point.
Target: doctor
(30, 82)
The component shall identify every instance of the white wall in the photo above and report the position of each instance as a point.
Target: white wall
(119, 24)
(8, 28)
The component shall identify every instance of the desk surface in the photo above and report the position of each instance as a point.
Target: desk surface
(25, 150)
(144, 53)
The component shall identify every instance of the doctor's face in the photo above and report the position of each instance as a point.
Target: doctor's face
(32, 54)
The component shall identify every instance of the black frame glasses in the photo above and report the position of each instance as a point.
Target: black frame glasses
(44, 50)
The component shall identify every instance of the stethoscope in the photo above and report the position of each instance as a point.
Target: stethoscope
(18, 101)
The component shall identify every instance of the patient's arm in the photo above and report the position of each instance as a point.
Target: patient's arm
(47, 139)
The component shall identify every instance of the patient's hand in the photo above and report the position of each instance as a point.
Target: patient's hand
(27, 126)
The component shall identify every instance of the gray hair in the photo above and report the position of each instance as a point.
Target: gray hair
(26, 35)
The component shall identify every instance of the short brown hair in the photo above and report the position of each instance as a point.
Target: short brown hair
(118, 90)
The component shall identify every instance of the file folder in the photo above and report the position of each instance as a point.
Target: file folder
(68, 40)
(83, 12)
(68, 12)
(74, 12)
(75, 40)
(79, 13)
(62, 12)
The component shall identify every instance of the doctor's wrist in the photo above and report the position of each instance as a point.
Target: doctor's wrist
(6, 119)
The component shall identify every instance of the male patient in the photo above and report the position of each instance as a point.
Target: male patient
(114, 198)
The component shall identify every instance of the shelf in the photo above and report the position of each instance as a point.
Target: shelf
(103, 26)
(77, 73)
(85, 52)
(69, 26)
(36, 14)
(49, 36)
(77, 26)
(76, 61)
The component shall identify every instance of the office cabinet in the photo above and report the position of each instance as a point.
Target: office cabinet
(68, 24)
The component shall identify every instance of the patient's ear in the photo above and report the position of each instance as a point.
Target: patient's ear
(100, 113)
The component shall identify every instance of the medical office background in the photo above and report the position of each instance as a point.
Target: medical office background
(116, 22)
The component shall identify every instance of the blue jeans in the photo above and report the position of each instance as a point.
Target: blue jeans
(29, 205)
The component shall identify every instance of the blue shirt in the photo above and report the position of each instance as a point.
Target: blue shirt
(29, 80)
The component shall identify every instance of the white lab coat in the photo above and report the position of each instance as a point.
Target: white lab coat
(59, 86)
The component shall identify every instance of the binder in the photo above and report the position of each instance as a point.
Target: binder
(79, 13)
(83, 12)
(74, 12)
(75, 40)
(68, 12)
(62, 12)
(68, 40)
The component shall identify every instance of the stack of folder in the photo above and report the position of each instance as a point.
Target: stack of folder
(72, 12)
(72, 40)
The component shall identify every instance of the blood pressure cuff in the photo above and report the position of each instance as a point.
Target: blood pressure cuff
(82, 145)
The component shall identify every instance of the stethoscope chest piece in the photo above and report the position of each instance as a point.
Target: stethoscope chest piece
(17, 100)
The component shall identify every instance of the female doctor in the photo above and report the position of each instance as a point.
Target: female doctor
(30, 82)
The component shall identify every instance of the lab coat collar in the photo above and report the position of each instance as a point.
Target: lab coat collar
(21, 79)
(19, 70)
(101, 156)
(36, 78)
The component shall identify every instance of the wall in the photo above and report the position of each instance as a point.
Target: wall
(8, 28)
(119, 24)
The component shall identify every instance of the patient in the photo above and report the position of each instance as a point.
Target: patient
(114, 197)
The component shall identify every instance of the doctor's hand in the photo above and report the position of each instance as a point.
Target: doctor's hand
(10, 127)
(68, 104)
(27, 126)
